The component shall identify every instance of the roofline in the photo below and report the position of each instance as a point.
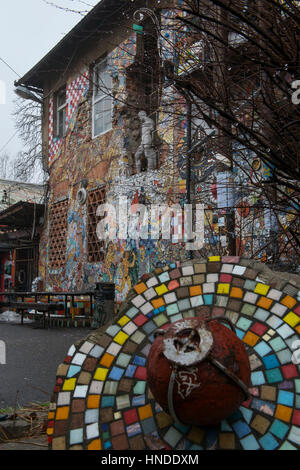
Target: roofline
(31, 77)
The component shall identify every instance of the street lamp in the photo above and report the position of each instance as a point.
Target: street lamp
(26, 94)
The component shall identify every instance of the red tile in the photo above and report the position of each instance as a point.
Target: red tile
(296, 418)
(140, 320)
(259, 329)
(131, 416)
(225, 278)
(173, 285)
(141, 373)
(297, 310)
(289, 371)
(247, 403)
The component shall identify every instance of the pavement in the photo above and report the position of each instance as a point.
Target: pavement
(32, 358)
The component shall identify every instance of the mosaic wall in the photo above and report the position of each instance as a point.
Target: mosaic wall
(102, 401)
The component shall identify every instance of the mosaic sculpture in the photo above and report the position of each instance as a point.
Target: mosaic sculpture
(102, 399)
(146, 148)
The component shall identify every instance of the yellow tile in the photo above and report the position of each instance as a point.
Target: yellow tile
(107, 360)
(250, 338)
(196, 435)
(214, 258)
(161, 289)
(93, 401)
(69, 384)
(283, 413)
(145, 412)
(288, 301)
(292, 319)
(223, 288)
(236, 292)
(261, 289)
(51, 415)
(157, 303)
(50, 431)
(123, 321)
(264, 302)
(95, 445)
(195, 290)
(140, 288)
(121, 338)
(100, 374)
(62, 413)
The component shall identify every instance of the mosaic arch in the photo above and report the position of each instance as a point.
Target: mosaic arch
(102, 401)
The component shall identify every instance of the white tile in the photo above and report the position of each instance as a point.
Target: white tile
(152, 282)
(188, 270)
(227, 268)
(80, 391)
(212, 278)
(63, 398)
(96, 387)
(285, 331)
(138, 301)
(146, 308)
(274, 294)
(169, 298)
(208, 288)
(92, 431)
(79, 359)
(150, 293)
(71, 351)
(279, 310)
(250, 297)
(130, 328)
(86, 347)
(114, 349)
(238, 270)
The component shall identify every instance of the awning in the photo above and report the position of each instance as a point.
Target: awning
(20, 216)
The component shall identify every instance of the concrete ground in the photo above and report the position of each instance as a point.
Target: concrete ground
(32, 358)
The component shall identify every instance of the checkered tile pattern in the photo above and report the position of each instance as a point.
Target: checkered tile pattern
(75, 90)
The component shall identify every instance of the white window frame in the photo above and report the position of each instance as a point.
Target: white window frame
(58, 110)
(99, 98)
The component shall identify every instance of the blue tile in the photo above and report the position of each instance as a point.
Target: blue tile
(133, 429)
(107, 402)
(273, 375)
(116, 373)
(130, 371)
(211, 437)
(279, 429)
(258, 378)
(104, 427)
(247, 414)
(240, 334)
(241, 429)
(286, 398)
(107, 445)
(139, 400)
(73, 370)
(269, 408)
(249, 443)
(262, 348)
(268, 442)
(270, 361)
(208, 299)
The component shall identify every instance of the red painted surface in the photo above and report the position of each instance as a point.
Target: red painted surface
(218, 396)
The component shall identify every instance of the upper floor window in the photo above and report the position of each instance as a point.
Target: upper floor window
(61, 109)
(102, 100)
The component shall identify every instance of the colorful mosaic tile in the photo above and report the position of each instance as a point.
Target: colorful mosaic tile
(103, 400)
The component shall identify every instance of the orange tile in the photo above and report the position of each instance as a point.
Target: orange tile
(250, 338)
(140, 288)
(107, 360)
(51, 415)
(264, 303)
(289, 301)
(93, 401)
(236, 292)
(298, 329)
(62, 413)
(95, 445)
(145, 412)
(284, 413)
(195, 290)
(157, 303)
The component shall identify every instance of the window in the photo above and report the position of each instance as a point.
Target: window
(61, 108)
(95, 246)
(58, 234)
(102, 100)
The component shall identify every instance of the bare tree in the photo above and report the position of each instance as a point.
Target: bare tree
(28, 122)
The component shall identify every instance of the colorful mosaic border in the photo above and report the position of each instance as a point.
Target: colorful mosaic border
(102, 401)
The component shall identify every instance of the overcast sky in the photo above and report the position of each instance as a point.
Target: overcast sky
(28, 30)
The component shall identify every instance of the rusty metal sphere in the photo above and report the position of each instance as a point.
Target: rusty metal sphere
(198, 371)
